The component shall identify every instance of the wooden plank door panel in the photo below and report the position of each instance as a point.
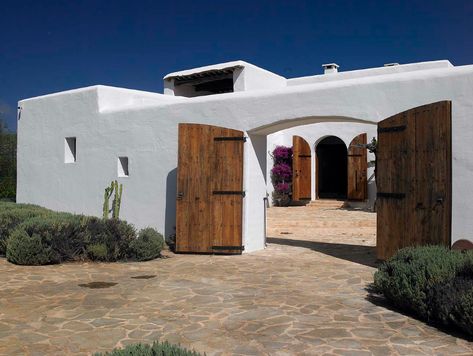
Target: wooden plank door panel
(209, 186)
(227, 190)
(357, 169)
(193, 187)
(433, 178)
(301, 169)
(392, 184)
(414, 179)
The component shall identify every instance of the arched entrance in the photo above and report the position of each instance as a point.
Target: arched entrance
(331, 168)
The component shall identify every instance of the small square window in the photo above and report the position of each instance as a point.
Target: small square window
(70, 150)
(122, 167)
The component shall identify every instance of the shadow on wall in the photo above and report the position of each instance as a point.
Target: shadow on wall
(365, 255)
(170, 213)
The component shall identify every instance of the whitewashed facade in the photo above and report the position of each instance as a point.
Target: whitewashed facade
(72, 144)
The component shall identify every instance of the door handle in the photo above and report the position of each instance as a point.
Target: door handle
(180, 195)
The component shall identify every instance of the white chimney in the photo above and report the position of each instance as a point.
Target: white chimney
(330, 68)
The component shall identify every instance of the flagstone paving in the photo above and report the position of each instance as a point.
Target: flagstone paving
(305, 294)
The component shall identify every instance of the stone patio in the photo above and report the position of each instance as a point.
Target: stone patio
(305, 294)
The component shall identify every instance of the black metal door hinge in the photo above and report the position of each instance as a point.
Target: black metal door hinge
(391, 129)
(232, 248)
(230, 138)
(391, 195)
(229, 192)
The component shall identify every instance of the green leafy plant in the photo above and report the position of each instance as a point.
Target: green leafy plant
(431, 282)
(67, 237)
(406, 277)
(11, 215)
(61, 232)
(156, 349)
(147, 245)
(97, 252)
(7, 163)
(116, 235)
(24, 249)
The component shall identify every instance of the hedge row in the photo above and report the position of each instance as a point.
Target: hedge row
(156, 349)
(431, 282)
(32, 235)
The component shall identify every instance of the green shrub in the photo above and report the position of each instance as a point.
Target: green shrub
(406, 278)
(97, 252)
(431, 282)
(115, 234)
(147, 245)
(11, 215)
(451, 302)
(6, 204)
(63, 232)
(24, 249)
(73, 237)
(156, 349)
(68, 237)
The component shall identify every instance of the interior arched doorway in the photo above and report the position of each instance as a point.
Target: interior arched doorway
(331, 168)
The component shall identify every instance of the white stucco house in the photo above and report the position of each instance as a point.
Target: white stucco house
(72, 144)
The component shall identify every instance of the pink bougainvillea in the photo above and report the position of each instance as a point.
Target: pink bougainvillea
(282, 187)
(281, 174)
(282, 154)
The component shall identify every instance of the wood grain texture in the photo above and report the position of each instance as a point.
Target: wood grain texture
(301, 169)
(205, 166)
(414, 179)
(357, 169)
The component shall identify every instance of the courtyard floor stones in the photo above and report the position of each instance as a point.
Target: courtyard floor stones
(305, 294)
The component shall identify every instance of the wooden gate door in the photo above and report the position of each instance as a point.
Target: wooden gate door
(209, 189)
(301, 162)
(357, 169)
(413, 177)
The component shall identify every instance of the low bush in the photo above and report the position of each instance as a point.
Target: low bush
(97, 252)
(431, 282)
(24, 249)
(451, 302)
(156, 349)
(406, 278)
(63, 233)
(115, 235)
(147, 245)
(11, 215)
(62, 237)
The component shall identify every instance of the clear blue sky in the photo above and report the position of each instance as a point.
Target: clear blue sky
(54, 45)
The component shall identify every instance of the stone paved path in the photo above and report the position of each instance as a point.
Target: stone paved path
(305, 294)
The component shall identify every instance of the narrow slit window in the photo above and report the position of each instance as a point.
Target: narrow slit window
(70, 150)
(123, 167)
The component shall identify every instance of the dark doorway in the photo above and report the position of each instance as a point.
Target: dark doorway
(331, 168)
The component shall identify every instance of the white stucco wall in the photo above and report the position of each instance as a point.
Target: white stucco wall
(112, 122)
(313, 134)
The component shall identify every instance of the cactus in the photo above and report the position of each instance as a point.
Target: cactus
(117, 200)
(106, 198)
